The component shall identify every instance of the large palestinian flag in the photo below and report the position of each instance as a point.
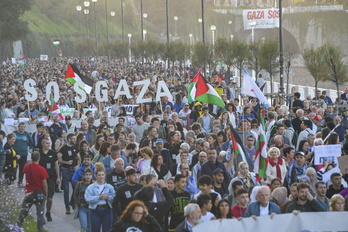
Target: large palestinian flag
(53, 109)
(73, 76)
(200, 90)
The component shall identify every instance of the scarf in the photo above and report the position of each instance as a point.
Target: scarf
(14, 154)
(280, 162)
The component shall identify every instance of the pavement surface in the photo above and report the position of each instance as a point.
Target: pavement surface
(61, 222)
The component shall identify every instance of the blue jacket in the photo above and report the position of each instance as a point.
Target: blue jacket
(79, 173)
(106, 162)
(254, 209)
(92, 194)
(208, 169)
(3, 153)
(23, 143)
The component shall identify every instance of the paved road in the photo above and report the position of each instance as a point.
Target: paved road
(61, 221)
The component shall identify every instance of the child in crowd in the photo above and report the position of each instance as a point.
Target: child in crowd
(204, 202)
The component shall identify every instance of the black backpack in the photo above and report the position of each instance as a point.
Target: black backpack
(294, 137)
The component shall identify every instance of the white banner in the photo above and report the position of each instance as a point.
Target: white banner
(263, 18)
(325, 152)
(43, 57)
(67, 111)
(316, 221)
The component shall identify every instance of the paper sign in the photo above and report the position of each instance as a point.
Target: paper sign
(85, 110)
(67, 111)
(23, 119)
(343, 163)
(324, 152)
(14, 61)
(43, 57)
(9, 121)
(327, 175)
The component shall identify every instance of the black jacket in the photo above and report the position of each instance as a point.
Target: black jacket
(182, 227)
(150, 226)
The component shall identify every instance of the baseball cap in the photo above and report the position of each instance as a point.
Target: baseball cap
(159, 141)
(218, 170)
(299, 153)
(130, 172)
(317, 117)
(324, 92)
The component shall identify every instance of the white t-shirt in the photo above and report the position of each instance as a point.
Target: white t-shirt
(207, 217)
(264, 210)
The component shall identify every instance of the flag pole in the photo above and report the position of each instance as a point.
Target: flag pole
(29, 114)
(330, 133)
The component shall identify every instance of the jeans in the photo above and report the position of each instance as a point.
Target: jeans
(84, 217)
(101, 217)
(67, 175)
(21, 162)
(28, 201)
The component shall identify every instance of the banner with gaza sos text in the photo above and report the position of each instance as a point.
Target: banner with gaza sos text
(316, 221)
(262, 18)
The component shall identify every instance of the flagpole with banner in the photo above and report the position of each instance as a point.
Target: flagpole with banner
(260, 163)
(249, 88)
(200, 90)
(73, 76)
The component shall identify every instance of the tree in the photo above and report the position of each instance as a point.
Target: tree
(337, 69)
(254, 57)
(239, 52)
(269, 53)
(201, 54)
(12, 28)
(315, 64)
(223, 53)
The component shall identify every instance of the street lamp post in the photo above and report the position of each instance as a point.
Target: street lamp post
(122, 15)
(86, 11)
(144, 33)
(113, 13)
(95, 21)
(230, 23)
(281, 52)
(145, 17)
(252, 24)
(213, 28)
(142, 20)
(79, 8)
(203, 32)
(176, 25)
(190, 35)
(129, 47)
(107, 30)
(199, 21)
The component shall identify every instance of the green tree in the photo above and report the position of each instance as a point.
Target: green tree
(269, 53)
(315, 64)
(223, 53)
(240, 53)
(201, 54)
(12, 28)
(254, 56)
(337, 69)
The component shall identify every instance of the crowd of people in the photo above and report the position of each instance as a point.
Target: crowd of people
(176, 166)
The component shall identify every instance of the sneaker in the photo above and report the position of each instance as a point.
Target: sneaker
(48, 216)
(20, 185)
(72, 205)
(67, 211)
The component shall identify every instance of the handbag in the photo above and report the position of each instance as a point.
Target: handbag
(39, 195)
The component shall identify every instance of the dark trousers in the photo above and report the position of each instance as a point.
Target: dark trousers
(21, 162)
(28, 202)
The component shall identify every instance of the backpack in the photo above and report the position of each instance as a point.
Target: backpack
(273, 130)
(294, 137)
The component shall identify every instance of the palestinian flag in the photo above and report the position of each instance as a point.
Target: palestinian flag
(53, 109)
(60, 52)
(238, 147)
(24, 62)
(73, 76)
(260, 163)
(200, 90)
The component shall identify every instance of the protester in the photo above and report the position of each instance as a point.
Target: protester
(36, 191)
(99, 196)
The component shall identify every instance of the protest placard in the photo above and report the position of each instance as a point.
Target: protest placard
(325, 152)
